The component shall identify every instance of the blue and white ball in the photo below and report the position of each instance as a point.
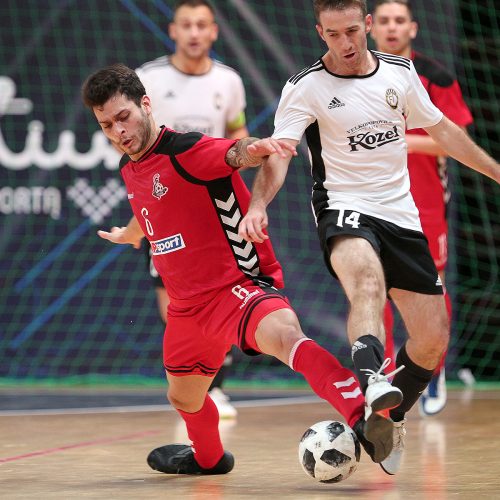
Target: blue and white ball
(329, 451)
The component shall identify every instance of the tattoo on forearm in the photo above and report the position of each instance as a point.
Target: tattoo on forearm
(238, 156)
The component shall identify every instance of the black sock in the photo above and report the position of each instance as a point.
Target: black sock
(218, 379)
(367, 353)
(411, 380)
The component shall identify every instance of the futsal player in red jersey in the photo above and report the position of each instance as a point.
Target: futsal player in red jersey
(188, 199)
(393, 30)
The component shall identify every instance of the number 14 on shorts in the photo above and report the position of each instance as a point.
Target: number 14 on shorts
(349, 218)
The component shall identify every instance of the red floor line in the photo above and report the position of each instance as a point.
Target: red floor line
(80, 445)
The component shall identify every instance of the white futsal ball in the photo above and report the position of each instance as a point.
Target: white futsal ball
(329, 451)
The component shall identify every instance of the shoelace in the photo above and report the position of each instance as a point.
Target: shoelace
(378, 376)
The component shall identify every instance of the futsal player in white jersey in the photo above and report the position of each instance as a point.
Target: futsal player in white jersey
(190, 91)
(353, 106)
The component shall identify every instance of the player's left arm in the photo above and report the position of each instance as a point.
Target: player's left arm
(250, 151)
(447, 96)
(236, 125)
(457, 144)
(239, 133)
(237, 129)
(131, 234)
(425, 145)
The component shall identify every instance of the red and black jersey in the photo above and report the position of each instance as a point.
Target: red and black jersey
(189, 203)
(428, 175)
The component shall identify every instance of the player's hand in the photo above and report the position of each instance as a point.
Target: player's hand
(121, 236)
(252, 226)
(268, 146)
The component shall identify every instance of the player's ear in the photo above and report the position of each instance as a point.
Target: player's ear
(368, 23)
(146, 103)
(319, 29)
(172, 31)
(215, 32)
(413, 30)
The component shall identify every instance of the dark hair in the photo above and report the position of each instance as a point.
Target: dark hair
(99, 87)
(406, 3)
(194, 3)
(322, 5)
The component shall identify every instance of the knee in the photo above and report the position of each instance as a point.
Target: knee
(442, 334)
(289, 337)
(184, 401)
(176, 399)
(280, 343)
(437, 336)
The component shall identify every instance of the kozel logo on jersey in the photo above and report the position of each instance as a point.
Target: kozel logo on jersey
(167, 245)
(372, 140)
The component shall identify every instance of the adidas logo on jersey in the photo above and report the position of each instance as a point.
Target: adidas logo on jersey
(438, 281)
(335, 103)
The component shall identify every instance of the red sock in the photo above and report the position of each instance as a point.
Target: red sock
(328, 379)
(389, 337)
(203, 431)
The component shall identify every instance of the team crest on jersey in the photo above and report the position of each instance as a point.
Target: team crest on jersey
(159, 189)
(392, 98)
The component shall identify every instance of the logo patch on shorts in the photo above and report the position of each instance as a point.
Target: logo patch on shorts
(244, 294)
(167, 245)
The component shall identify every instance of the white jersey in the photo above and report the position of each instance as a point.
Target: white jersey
(202, 103)
(355, 131)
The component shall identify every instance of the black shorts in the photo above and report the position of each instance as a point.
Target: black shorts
(404, 253)
(155, 277)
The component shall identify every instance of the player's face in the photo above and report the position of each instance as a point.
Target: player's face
(344, 32)
(193, 31)
(393, 30)
(127, 125)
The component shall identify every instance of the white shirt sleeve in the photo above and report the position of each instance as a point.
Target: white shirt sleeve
(420, 112)
(293, 115)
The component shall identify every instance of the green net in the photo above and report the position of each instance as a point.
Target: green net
(75, 308)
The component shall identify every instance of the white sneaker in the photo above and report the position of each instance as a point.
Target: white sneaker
(221, 400)
(433, 399)
(380, 395)
(392, 463)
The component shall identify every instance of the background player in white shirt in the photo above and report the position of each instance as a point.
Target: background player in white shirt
(354, 106)
(190, 91)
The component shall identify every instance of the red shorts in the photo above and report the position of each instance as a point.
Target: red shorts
(197, 338)
(437, 236)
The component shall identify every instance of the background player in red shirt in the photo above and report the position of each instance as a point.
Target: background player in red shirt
(393, 30)
(188, 200)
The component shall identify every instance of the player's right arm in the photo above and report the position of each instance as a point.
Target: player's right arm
(267, 183)
(129, 235)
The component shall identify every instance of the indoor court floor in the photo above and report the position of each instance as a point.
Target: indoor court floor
(92, 444)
